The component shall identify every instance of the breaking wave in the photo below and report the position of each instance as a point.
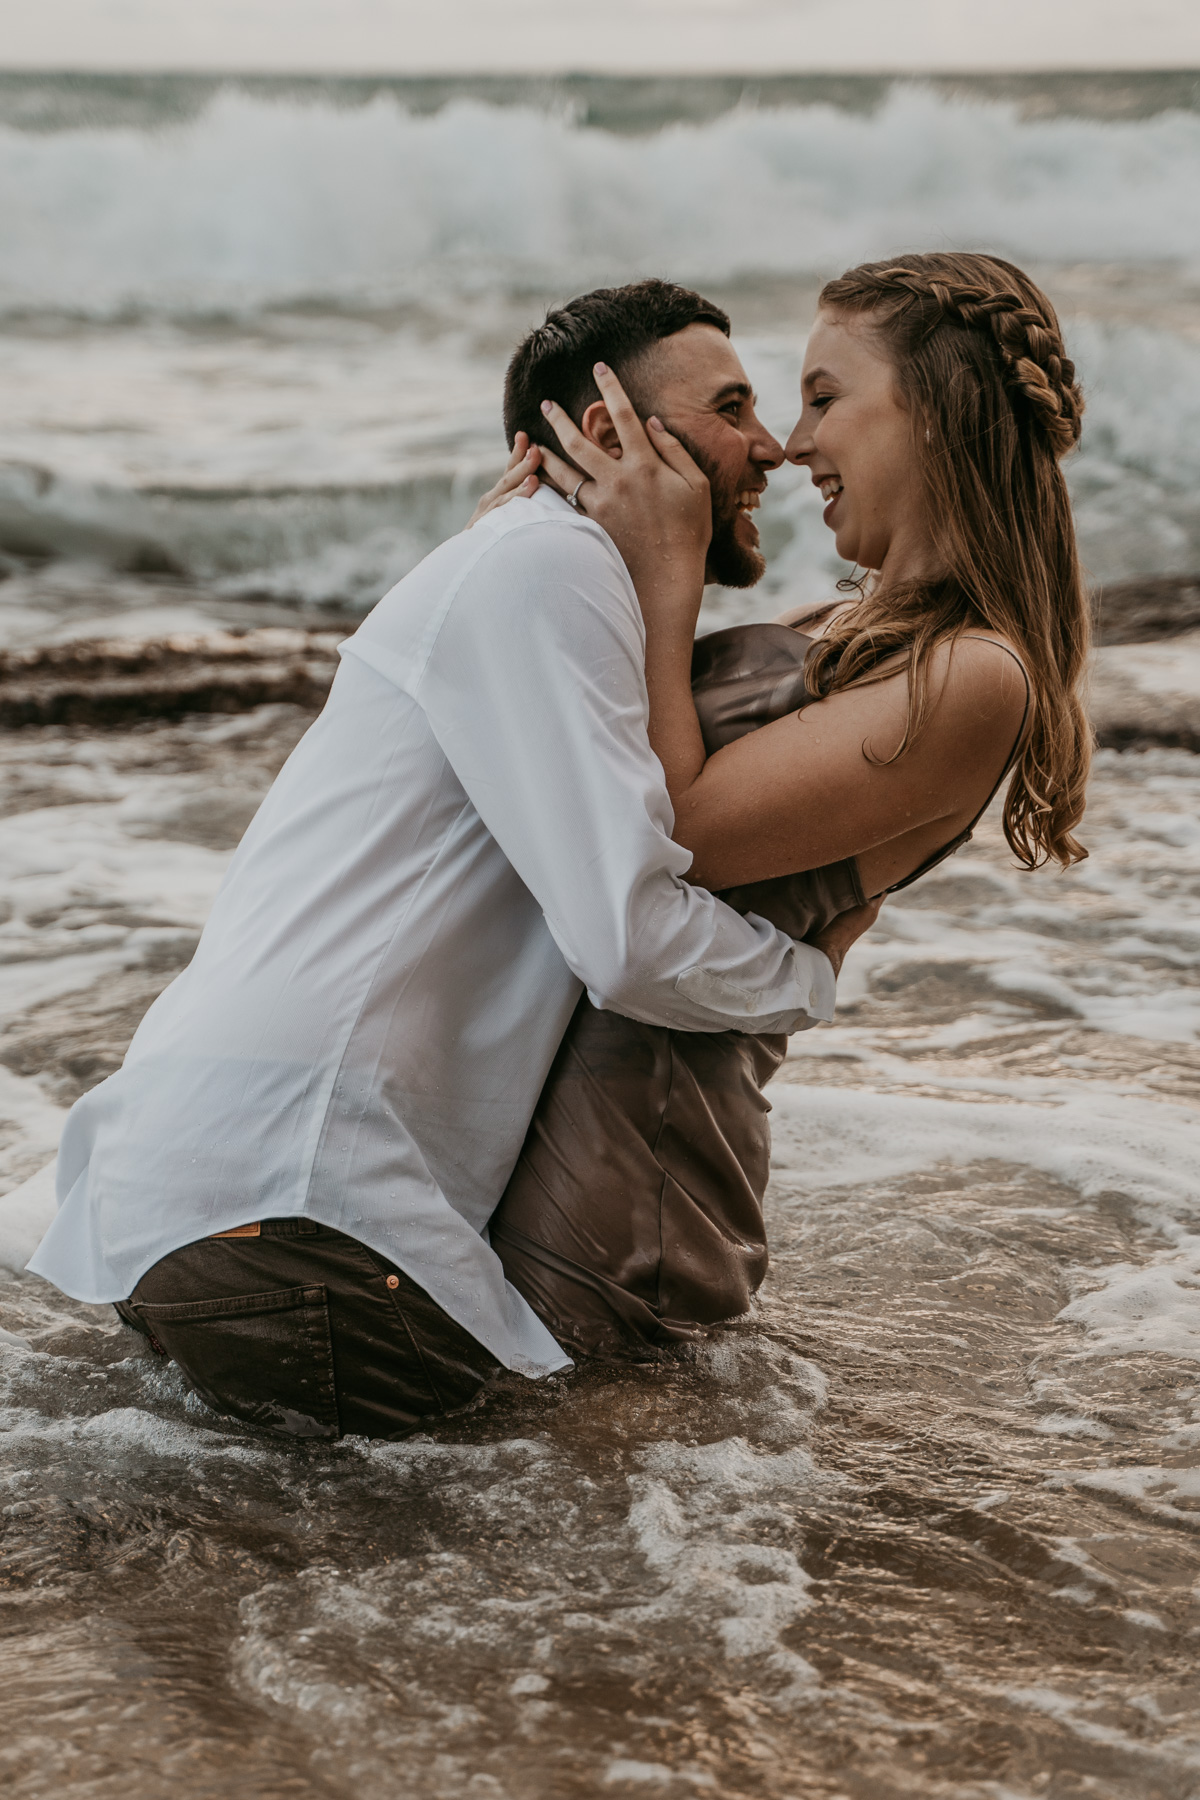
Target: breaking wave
(208, 396)
(321, 543)
(273, 200)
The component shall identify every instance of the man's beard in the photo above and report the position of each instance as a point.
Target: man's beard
(730, 563)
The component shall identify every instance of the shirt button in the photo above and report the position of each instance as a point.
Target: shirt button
(393, 1281)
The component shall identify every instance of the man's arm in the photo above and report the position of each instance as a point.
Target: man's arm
(535, 689)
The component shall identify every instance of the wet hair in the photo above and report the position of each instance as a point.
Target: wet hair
(981, 368)
(616, 326)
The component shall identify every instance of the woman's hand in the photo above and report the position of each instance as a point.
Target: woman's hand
(647, 493)
(518, 481)
(845, 930)
(654, 503)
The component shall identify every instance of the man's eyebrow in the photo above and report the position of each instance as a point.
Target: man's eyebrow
(733, 390)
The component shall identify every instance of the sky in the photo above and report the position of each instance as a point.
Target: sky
(680, 36)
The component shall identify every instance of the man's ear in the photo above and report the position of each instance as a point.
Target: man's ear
(597, 426)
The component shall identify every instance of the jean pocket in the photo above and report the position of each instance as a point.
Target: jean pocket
(265, 1358)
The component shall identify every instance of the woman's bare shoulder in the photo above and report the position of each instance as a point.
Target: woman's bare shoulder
(987, 658)
(982, 681)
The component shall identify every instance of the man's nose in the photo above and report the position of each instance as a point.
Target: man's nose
(765, 450)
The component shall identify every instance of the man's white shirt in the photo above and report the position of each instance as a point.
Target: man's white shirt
(474, 829)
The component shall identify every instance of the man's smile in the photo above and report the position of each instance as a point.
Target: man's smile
(748, 501)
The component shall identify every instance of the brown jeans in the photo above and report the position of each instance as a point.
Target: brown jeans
(308, 1333)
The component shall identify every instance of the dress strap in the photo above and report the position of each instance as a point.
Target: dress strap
(956, 843)
(1019, 740)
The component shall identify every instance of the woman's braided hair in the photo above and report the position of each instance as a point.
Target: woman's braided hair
(1036, 368)
(981, 366)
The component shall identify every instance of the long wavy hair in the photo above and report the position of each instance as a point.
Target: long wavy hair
(981, 368)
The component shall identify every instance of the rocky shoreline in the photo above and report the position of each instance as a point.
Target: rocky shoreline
(120, 680)
(1144, 690)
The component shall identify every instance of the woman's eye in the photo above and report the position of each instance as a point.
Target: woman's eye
(821, 400)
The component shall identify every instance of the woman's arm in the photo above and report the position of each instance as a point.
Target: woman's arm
(812, 788)
(652, 499)
(519, 480)
(803, 791)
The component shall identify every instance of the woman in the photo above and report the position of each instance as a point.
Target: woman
(814, 763)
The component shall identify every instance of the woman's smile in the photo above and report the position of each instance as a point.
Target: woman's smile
(831, 491)
(854, 429)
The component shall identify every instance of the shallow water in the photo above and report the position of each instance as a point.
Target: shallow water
(926, 1525)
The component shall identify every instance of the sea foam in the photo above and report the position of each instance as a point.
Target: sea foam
(276, 199)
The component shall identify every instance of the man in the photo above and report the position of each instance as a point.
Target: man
(689, 373)
(287, 1186)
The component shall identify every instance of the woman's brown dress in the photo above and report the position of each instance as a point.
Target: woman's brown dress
(633, 1219)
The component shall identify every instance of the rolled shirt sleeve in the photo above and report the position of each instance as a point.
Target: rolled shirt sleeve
(534, 685)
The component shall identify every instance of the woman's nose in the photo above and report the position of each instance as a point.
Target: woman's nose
(765, 449)
(799, 446)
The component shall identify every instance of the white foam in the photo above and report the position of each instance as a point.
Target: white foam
(1154, 1308)
(1073, 1713)
(623, 1768)
(25, 1216)
(281, 199)
(700, 1563)
(1160, 1490)
(696, 1515)
(67, 871)
(836, 1137)
(30, 1125)
(1070, 1425)
(129, 1428)
(69, 851)
(830, 1138)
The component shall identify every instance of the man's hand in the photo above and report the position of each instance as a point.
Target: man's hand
(845, 930)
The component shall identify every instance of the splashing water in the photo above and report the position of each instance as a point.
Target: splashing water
(924, 1525)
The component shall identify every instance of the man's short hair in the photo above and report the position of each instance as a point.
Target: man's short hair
(611, 325)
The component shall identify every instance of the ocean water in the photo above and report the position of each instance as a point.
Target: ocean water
(924, 1525)
(927, 1524)
(252, 335)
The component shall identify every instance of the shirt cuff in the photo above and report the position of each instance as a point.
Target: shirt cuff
(811, 995)
(822, 993)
